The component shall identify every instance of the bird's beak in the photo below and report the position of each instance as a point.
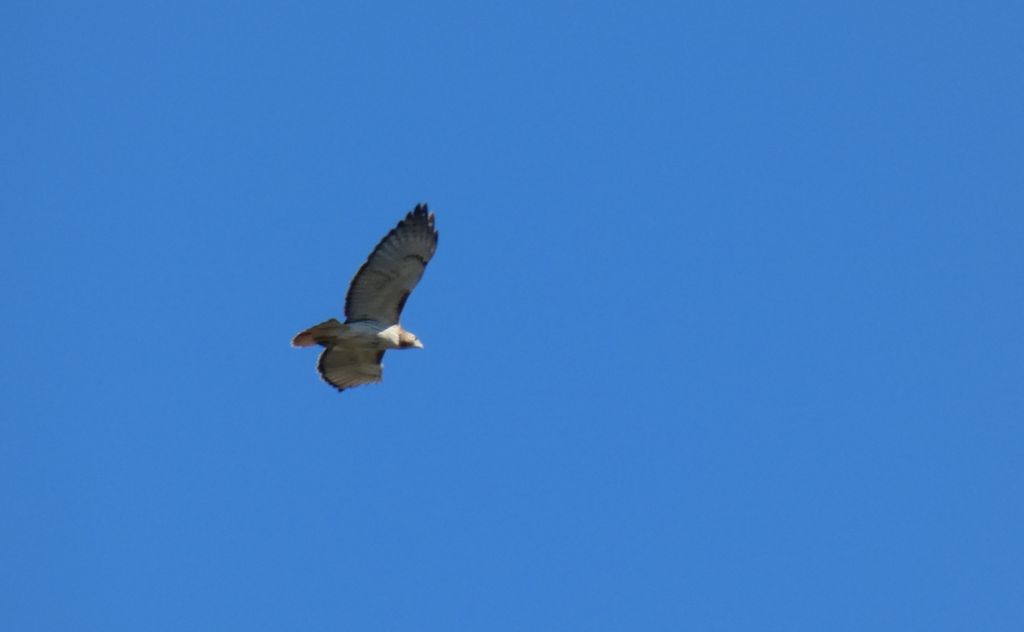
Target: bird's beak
(418, 344)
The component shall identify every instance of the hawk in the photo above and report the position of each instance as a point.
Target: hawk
(353, 349)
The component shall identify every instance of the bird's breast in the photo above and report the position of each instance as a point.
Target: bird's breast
(374, 334)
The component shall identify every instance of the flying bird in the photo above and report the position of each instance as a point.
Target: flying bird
(353, 349)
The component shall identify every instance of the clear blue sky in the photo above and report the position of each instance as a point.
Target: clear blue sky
(724, 331)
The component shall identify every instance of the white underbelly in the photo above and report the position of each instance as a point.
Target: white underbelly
(373, 334)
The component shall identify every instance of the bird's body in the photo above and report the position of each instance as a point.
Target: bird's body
(370, 333)
(367, 333)
(353, 349)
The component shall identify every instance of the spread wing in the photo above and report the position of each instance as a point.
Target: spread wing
(380, 288)
(346, 366)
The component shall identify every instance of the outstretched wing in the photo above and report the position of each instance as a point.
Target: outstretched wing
(380, 288)
(346, 366)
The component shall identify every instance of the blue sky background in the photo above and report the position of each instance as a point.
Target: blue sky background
(723, 333)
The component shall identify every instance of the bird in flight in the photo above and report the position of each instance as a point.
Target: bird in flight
(353, 349)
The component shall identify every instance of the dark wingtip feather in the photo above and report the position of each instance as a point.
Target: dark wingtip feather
(422, 211)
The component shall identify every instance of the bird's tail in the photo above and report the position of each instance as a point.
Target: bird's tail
(318, 334)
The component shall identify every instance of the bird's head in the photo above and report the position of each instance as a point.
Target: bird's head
(408, 340)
